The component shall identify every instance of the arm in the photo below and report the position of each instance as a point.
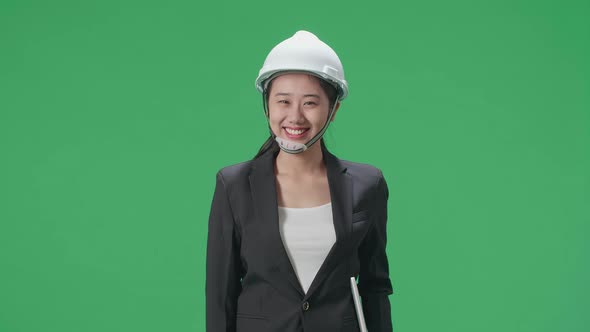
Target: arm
(224, 272)
(374, 282)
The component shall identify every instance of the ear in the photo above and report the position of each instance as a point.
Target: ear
(335, 111)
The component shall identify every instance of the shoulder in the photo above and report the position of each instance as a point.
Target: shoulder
(235, 173)
(366, 176)
(365, 170)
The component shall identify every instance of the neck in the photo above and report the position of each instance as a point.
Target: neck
(309, 161)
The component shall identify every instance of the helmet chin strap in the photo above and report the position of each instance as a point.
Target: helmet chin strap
(296, 147)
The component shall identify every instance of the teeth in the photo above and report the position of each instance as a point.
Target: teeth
(295, 132)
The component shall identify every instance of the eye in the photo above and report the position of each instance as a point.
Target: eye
(283, 101)
(310, 103)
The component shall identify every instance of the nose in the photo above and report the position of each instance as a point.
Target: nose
(295, 114)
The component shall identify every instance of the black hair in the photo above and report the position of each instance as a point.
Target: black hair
(330, 90)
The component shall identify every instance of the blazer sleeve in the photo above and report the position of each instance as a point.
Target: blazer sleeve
(374, 283)
(223, 279)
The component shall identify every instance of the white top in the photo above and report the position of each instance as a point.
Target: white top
(308, 235)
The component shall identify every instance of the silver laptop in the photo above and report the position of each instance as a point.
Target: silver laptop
(358, 305)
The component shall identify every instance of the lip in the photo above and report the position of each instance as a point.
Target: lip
(295, 136)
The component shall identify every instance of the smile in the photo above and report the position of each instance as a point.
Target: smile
(295, 133)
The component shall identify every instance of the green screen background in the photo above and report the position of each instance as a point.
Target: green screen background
(116, 115)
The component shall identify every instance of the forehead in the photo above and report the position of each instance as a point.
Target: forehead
(296, 82)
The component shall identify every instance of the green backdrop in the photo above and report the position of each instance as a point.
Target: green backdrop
(116, 115)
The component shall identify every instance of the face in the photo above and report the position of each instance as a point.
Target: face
(298, 106)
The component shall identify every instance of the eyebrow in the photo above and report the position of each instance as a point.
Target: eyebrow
(288, 94)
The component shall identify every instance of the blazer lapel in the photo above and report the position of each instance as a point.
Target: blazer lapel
(340, 184)
(264, 195)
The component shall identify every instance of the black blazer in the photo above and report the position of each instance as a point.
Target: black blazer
(251, 285)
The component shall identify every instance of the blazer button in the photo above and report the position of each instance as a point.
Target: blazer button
(305, 306)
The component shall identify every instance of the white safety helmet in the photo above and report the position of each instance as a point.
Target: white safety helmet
(303, 52)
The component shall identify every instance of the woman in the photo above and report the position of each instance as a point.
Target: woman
(289, 228)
